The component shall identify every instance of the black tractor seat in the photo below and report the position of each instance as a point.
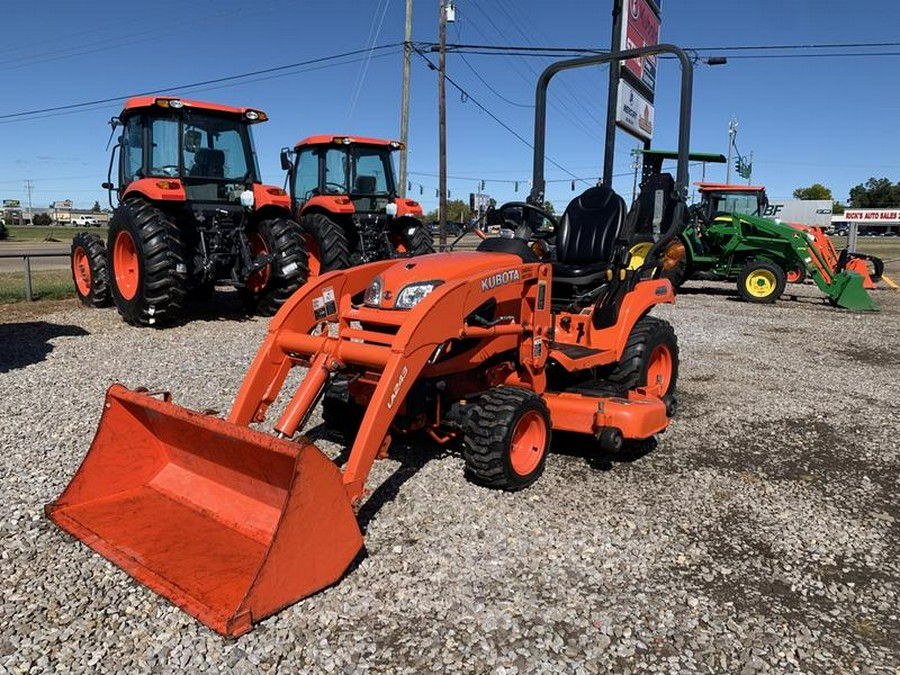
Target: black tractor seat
(586, 239)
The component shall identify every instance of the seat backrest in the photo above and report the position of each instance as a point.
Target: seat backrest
(366, 185)
(588, 229)
(654, 208)
(209, 163)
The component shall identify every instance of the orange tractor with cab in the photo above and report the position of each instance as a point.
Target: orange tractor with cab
(490, 351)
(346, 200)
(191, 213)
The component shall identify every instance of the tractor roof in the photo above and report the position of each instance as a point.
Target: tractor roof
(709, 157)
(725, 187)
(328, 139)
(143, 102)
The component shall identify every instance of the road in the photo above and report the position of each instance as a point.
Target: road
(16, 265)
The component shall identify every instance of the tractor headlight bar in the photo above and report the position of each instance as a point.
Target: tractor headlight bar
(372, 298)
(411, 295)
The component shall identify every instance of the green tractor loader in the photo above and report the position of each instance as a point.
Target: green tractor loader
(728, 239)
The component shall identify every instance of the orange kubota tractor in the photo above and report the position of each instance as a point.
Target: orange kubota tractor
(191, 213)
(491, 350)
(347, 203)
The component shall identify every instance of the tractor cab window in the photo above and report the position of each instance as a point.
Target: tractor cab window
(335, 172)
(373, 173)
(306, 177)
(164, 147)
(742, 204)
(132, 149)
(215, 147)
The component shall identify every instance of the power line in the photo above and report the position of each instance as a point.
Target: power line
(229, 78)
(494, 117)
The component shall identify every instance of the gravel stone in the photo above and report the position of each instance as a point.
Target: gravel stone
(759, 535)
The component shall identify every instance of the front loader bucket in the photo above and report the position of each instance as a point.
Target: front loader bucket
(228, 523)
(847, 291)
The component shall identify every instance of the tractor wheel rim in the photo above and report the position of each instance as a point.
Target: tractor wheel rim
(760, 283)
(793, 276)
(659, 370)
(127, 265)
(398, 243)
(257, 281)
(82, 271)
(639, 255)
(528, 443)
(315, 255)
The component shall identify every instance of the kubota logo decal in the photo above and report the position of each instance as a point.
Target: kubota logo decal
(499, 279)
(397, 386)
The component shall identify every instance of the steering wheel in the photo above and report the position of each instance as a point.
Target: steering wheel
(340, 188)
(527, 229)
(167, 170)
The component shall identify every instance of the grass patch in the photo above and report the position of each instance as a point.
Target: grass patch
(36, 234)
(886, 248)
(45, 285)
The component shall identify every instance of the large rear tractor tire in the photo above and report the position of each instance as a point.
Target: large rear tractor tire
(650, 358)
(506, 438)
(326, 244)
(761, 282)
(89, 270)
(409, 237)
(267, 289)
(146, 261)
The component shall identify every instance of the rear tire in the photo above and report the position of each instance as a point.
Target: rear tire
(761, 282)
(326, 244)
(146, 263)
(650, 358)
(340, 413)
(269, 288)
(506, 438)
(411, 238)
(90, 272)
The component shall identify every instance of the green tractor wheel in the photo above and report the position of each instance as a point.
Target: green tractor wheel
(761, 282)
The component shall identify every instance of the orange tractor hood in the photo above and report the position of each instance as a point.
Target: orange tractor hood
(446, 267)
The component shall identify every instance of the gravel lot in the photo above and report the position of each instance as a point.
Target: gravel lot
(761, 534)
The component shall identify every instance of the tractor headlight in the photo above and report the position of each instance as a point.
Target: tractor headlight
(372, 298)
(411, 295)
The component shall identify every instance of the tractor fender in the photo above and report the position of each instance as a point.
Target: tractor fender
(637, 302)
(269, 195)
(328, 204)
(156, 190)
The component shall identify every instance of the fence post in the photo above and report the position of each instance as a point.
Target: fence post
(27, 260)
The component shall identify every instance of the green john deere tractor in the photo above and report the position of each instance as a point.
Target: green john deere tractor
(728, 239)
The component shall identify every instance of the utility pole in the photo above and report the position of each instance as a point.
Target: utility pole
(404, 97)
(29, 186)
(732, 132)
(442, 125)
(750, 169)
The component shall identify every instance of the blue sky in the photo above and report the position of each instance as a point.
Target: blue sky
(806, 120)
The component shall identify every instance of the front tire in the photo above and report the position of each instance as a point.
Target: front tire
(506, 438)
(146, 261)
(650, 358)
(761, 282)
(89, 270)
(267, 289)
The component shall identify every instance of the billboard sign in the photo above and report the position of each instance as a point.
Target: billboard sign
(64, 204)
(873, 216)
(640, 28)
(11, 203)
(634, 113)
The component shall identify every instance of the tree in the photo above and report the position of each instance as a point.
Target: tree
(838, 208)
(548, 207)
(457, 212)
(876, 193)
(96, 207)
(814, 191)
(42, 219)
